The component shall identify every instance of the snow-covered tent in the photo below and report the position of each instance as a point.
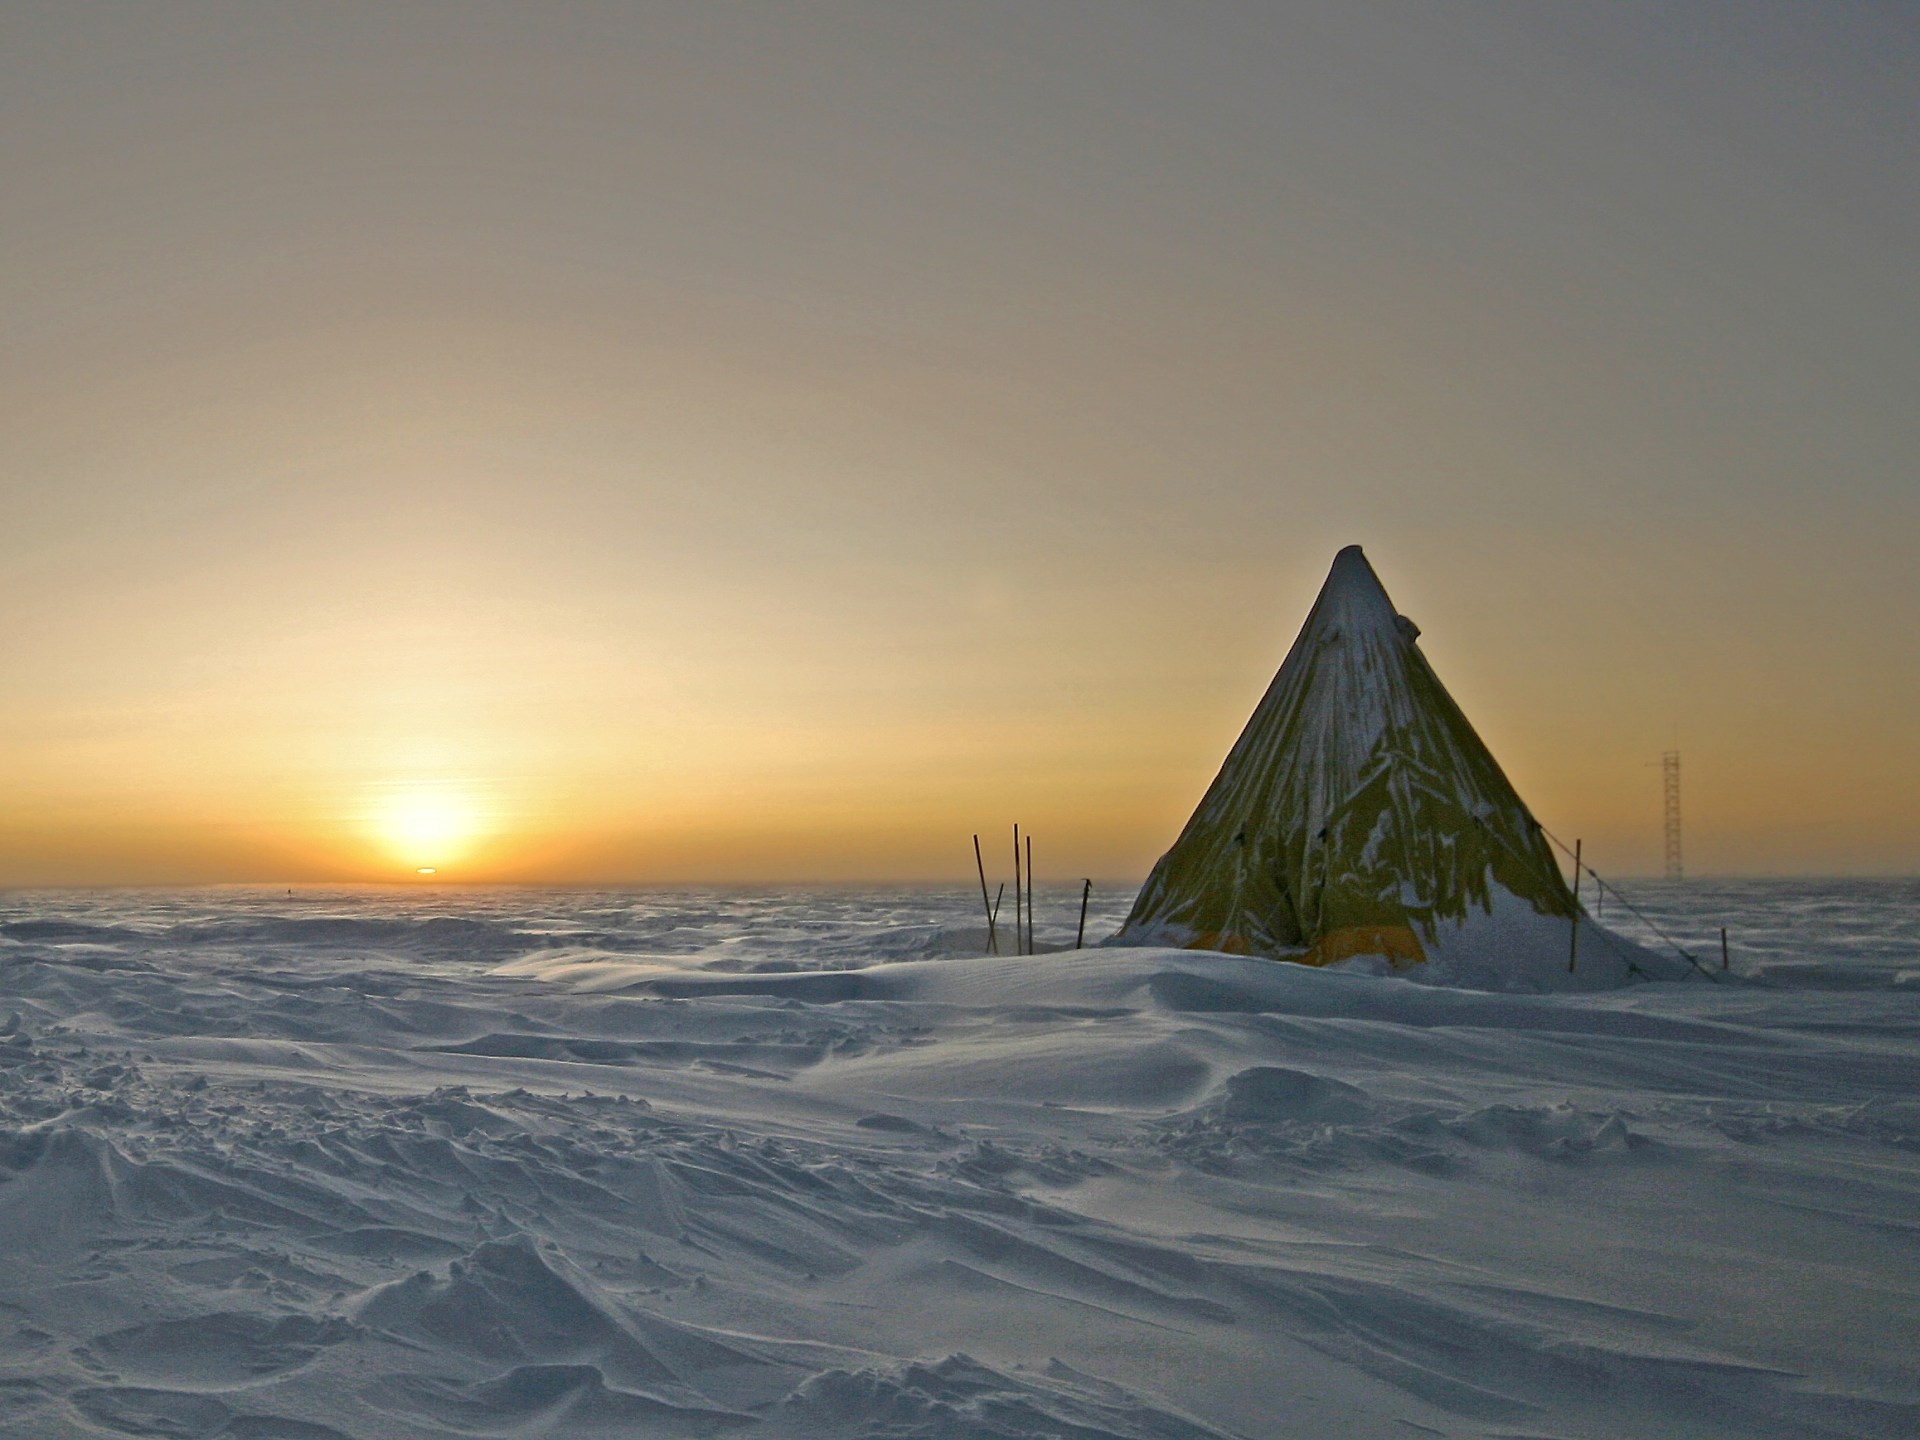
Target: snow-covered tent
(1359, 815)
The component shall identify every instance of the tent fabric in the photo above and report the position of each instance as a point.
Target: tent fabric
(1358, 814)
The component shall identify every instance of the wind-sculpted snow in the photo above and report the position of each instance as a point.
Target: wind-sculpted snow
(794, 1164)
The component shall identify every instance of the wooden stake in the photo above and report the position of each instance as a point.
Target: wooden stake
(1573, 940)
(1081, 934)
(1029, 894)
(1018, 893)
(1723, 947)
(993, 943)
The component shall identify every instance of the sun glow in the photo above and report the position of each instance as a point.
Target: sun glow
(425, 829)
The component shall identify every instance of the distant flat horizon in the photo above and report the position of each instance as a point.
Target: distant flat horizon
(1107, 888)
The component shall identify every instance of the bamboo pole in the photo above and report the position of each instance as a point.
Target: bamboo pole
(1573, 939)
(1079, 935)
(993, 943)
(1018, 893)
(1029, 894)
(1723, 947)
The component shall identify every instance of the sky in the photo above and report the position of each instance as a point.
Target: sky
(772, 442)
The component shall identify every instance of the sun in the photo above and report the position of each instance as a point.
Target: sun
(426, 828)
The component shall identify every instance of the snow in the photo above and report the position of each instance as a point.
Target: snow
(423, 1163)
(1510, 945)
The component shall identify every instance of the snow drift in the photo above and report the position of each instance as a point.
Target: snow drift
(376, 1165)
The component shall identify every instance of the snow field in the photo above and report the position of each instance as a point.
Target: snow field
(541, 1163)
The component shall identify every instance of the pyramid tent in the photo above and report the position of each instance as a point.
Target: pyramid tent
(1359, 815)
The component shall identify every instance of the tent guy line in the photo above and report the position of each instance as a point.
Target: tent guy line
(1637, 913)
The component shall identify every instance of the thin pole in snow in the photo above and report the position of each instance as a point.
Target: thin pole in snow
(1723, 947)
(1029, 894)
(1018, 893)
(993, 943)
(1079, 935)
(1573, 940)
(1634, 910)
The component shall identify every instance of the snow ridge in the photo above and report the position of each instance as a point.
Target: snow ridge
(670, 1179)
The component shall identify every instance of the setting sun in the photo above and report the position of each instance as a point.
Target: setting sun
(426, 828)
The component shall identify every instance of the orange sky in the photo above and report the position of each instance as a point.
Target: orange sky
(677, 443)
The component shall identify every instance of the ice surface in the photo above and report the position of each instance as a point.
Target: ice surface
(421, 1164)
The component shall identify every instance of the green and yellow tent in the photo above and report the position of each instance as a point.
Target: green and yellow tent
(1359, 815)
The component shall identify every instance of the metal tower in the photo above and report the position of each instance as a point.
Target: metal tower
(1670, 787)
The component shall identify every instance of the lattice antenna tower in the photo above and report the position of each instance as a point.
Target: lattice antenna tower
(1670, 791)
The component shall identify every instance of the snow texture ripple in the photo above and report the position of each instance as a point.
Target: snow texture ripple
(421, 1164)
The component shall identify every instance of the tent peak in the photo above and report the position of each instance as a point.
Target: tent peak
(1352, 600)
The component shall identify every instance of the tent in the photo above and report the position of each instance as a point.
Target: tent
(1359, 815)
